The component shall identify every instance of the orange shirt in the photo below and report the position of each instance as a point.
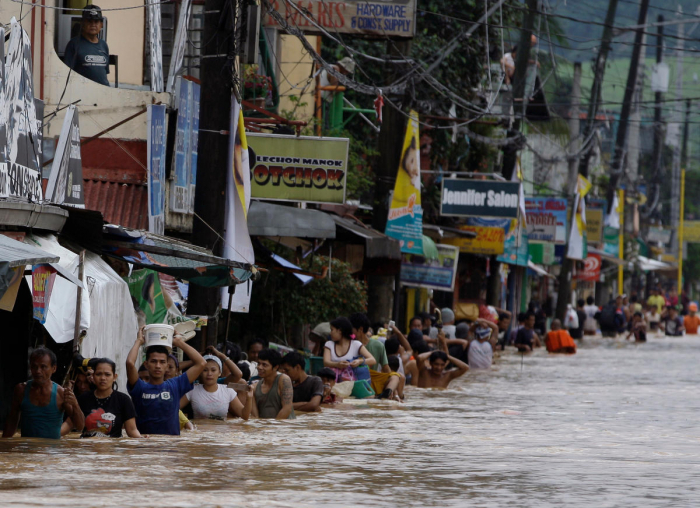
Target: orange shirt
(691, 323)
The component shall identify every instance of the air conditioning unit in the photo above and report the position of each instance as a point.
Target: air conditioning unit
(69, 27)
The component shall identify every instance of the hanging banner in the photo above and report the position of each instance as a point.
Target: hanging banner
(591, 268)
(515, 250)
(179, 44)
(546, 220)
(487, 241)
(184, 168)
(20, 166)
(147, 295)
(479, 198)
(373, 19)
(542, 253)
(9, 297)
(291, 168)
(43, 277)
(405, 222)
(439, 274)
(237, 244)
(155, 46)
(595, 217)
(577, 238)
(156, 168)
(65, 185)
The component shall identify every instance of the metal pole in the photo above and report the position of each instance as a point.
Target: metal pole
(680, 235)
(621, 253)
(79, 303)
(231, 291)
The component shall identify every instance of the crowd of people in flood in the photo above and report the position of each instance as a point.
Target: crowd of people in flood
(360, 360)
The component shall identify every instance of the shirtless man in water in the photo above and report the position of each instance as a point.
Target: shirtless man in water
(435, 375)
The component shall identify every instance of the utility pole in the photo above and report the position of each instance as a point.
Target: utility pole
(616, 168)
(522, 60)
(658, 124)
(675, 141)
(574, 128)
(212, 163)
(633, 140)
(380, 306)
(593, 104)
(596, 89)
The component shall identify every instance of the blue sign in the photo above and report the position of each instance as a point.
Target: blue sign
(546, 220)
(186, 138)
(439, 273)
(515, 248)
(156, 168)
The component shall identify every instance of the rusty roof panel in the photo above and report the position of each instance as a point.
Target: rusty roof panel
(122, 204)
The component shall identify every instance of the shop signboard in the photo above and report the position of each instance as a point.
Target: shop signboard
(488, 240)
(43, 277)
(405, 221)
(515, 249)
(439, 274)
(660, 235)
(184, 173)
(595, 218)
(156, 168)
(372, 19)
(542, 253)
(291, 168)
(691, 231)
(546, 220)
(611, 244)
(591, 268)
(479, 198)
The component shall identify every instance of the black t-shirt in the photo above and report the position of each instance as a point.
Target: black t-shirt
(89, 59)
(577, 333)
(105, 417)
(304, 392)
(524, 337)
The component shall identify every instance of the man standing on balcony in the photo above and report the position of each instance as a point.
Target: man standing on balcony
(87, 54)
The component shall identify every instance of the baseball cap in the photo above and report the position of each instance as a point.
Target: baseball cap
(214, 359)
(92, 12)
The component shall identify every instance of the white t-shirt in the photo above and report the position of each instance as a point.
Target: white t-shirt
(653, 318)
(450, 331)
(353, 351)
(590, 324)
(480, 354)
(212, 405)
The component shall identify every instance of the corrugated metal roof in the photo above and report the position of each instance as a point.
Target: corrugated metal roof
(122, 204)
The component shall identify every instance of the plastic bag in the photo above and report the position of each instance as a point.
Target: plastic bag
(361, 372)
(571, 319)
(346, 374)
(344, 389)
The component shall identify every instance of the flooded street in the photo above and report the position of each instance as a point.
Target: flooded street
(614, 425)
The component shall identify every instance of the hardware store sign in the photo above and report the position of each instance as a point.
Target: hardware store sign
(383, 18)
(290, 168)
(479, 198)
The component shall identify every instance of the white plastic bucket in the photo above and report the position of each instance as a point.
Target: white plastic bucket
(158, 335)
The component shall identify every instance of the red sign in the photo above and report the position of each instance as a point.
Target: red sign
(43, 277)
(591, 268)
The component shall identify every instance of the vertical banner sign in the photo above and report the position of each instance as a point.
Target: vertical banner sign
(405, 221)
(595, 214)
(546, 220)
(156, 168)
(155, 46)
(194, 142)
(237, 244)
(437, 274)
(20, 177)
(43, 277)
(65, 185)
(147, 295)
(179, 43)
(179, 199)
(577, 239)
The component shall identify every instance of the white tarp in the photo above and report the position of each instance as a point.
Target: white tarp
(107, 312)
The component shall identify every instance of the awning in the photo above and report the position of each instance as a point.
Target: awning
(539, 270)
(377, 245)
(267, 219)
(607, 257)
(652, 265)
(14, 254)
(174, 257)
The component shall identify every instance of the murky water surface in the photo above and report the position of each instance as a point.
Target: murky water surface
(615, 425)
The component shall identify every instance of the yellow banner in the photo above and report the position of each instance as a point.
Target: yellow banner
(487, 240)
(691, 231)
(594, 224)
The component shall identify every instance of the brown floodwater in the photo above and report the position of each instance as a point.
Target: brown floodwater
(614, 425)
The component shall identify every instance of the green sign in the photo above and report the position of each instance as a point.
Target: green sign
(291, 168)
(611, 237)
(145, 290)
